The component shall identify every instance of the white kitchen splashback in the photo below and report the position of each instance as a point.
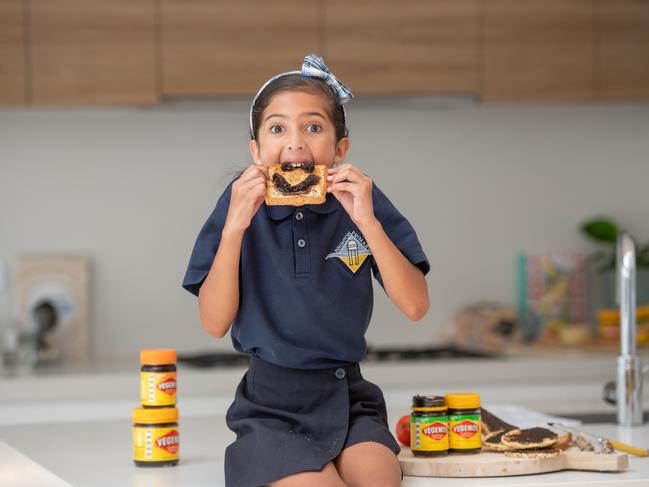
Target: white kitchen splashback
(131, 188)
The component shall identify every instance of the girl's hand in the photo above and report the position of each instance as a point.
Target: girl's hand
(247, 196)
(354, 191)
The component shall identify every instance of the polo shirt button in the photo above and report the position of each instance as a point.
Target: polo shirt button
(301, 243)
(299, 215)
(340, 373)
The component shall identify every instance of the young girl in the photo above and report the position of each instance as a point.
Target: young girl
(295, 285)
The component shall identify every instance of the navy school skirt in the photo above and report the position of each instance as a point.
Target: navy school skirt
(294, 420)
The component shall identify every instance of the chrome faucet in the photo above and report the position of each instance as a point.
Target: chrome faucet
(629, 378)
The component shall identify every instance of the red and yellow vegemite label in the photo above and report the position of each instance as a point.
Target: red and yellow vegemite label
(155, 435)
(429, 433)
(155, 444)
(158, 377)
(158, 388)
(464, 431)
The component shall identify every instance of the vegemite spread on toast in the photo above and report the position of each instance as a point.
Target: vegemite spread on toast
(496, 438)
(529, 438)
(532, 435)
(286, 188)
(492, 424)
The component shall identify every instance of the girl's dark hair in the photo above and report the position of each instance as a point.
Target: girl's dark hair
(297, 82)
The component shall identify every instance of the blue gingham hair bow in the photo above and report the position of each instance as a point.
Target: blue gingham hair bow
(312, 67)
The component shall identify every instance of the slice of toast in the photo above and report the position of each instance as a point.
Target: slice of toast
(493, 442)
(492, 424)
(529, 438)
(563, 442)
(313, 194)
(533, 453)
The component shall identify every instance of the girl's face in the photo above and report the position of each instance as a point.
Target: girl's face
(295, 127)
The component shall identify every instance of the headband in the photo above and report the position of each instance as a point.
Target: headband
(312, 67)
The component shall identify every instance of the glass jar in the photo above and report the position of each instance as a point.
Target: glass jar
(464, 422)
(158, 378)
(155, 437)
(428, 426)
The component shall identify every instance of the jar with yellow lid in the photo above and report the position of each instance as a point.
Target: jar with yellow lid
(158, 378)
(464, 422)
(155, 437)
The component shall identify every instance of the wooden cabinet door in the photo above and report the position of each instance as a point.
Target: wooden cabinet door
(403, 46)
(93, 52)
(538, 50)
(12, 53)
(623, 49)
(222, 47)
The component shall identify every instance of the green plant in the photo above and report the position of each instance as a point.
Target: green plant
(605, 231)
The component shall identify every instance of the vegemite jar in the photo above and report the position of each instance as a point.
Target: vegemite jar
(464, 422)
(155, 437)
(428, 426)
(158, 378)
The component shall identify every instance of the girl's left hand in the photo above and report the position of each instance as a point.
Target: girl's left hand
(354, 191)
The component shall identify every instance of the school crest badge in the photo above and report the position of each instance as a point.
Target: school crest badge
(352, 251)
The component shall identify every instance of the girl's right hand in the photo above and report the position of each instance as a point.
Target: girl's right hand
(247, 196)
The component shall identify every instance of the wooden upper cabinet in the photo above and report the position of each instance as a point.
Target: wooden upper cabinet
(93, 52)
(223, 47)
(538, 50)
(623, 49)
(12, 53)
(403, 46)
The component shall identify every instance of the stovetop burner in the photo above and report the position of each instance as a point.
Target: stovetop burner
(233, 359)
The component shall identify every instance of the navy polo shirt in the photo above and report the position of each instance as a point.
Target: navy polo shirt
(305, 288)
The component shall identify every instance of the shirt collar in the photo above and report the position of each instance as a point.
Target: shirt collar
(279, 212)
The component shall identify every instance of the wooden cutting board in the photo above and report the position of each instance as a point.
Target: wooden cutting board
(495, 464)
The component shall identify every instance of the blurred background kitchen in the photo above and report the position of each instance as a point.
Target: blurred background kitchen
(496, 127)
(512, 134)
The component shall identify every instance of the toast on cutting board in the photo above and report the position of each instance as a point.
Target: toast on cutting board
(497, 435)
(529, 438)
(492, 425)
(523, 456)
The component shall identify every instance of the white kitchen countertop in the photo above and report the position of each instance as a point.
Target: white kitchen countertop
(99, 454)
(75, 422)
(16, 470)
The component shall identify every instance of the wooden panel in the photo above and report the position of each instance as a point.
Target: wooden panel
(623, 49)
(538, 50)
(221, 47)
(403, 46)
(93, 52)
(12, 53)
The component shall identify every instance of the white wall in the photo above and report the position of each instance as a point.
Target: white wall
(131, 188)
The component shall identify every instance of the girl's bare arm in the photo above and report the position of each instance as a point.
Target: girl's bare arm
(404, 282)
(218, 298)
